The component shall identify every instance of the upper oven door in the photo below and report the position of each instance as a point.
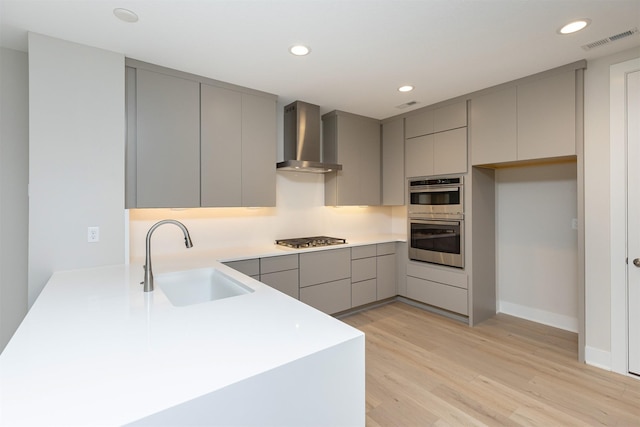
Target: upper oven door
(435, 199)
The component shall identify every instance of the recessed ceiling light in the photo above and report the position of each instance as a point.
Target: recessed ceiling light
(299, 50)
(406, 88)
(574, 26)
(125, 15)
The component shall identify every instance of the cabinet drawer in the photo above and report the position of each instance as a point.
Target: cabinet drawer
(424, 271)
(385, 248)
(325, 266)
(250, 267)
(363, 292)
(363, 269)
(278, 263)
(443, 296)
(330, 298)
(284, 281)
(363, 251)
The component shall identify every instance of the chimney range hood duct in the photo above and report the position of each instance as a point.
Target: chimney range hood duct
(302, 146)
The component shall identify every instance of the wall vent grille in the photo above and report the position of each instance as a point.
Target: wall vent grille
(610, 39)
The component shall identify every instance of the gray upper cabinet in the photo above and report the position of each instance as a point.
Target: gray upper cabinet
(167, 140)
(419, 124)
(258, 150)
(493, 125)
(449, 117)
(356, 140)
(393, 162)
(221, 146)
(547, 117)
(444, 150)
(533, 119)
(193, 141)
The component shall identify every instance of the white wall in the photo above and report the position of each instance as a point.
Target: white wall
(299, 211)
(14, 203)
(597, 208)
(76, 157)
(537, 247)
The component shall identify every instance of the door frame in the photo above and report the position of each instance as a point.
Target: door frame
(618, 164)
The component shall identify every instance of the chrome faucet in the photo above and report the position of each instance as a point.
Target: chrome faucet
(148, 273)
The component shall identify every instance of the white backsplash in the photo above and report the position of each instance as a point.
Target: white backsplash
(299, 212)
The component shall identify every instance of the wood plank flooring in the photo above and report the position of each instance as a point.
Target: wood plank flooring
(424, 369)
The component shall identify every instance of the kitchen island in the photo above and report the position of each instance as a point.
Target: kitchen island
(96, 350)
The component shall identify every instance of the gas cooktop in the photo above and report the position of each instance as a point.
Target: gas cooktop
(310, 242)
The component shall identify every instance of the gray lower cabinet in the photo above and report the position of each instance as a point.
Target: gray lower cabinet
(363, 275)
(356, 142)
(250, 267)
(325, 279)
(443, 288)
(281, 273)
(386, 283)
(331, 280)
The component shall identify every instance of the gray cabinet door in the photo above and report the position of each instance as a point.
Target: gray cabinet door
(419, 124)
(547, 117)
(386, 276)
(450, 151)
(419, 156)
(393, 188)
(284, 281)
(450, 117)
(167, 141)
(358, 147)
(221, 146)
(331, 297)
(325, 266)
(258, 151)
(493, 123)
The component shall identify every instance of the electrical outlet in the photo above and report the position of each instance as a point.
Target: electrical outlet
(93, 234)
(574, 223)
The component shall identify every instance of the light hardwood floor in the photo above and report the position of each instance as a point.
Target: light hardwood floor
(424, 369)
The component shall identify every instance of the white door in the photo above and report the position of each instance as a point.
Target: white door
(633, 217)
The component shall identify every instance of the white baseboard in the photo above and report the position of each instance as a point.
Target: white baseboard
(540, 316)
(598, 358)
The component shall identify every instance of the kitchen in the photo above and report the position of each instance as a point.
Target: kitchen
(298, 195)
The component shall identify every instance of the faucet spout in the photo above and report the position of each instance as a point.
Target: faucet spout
(148, 272)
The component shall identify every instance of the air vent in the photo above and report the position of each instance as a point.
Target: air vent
(611, 39)
(406, 104)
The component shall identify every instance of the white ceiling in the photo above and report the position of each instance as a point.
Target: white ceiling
(362, 50)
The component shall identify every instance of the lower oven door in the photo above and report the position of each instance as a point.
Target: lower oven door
(437, 241)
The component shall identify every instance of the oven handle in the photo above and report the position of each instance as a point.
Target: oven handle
(424, 189)
(435, 221)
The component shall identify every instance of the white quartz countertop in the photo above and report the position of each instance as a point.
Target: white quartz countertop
(95, 349)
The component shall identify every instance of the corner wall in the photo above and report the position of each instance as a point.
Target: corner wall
(76, 158)
(14, 202)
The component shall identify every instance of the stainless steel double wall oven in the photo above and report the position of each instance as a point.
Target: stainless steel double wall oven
(436, 220)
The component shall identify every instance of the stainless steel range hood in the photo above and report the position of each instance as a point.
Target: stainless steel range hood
(302, 145)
